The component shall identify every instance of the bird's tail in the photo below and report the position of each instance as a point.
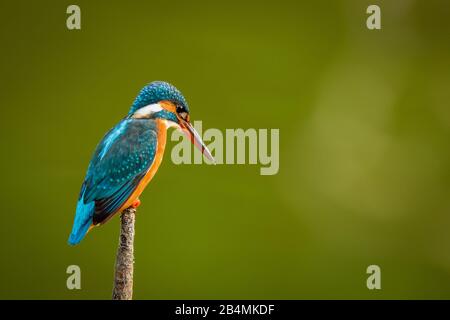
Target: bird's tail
(82, 221)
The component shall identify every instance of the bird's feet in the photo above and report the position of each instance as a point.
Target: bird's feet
(136, 203)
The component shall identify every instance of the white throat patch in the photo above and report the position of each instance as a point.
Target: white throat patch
(147, 111)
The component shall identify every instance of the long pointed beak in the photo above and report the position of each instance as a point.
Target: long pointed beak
(195, 138)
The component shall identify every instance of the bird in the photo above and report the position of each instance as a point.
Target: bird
(129, 155)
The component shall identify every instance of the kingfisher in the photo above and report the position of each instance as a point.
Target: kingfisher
(128, 156)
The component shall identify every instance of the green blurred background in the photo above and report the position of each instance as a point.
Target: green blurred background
(364, 121)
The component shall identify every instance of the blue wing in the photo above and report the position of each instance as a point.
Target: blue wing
(120, 161)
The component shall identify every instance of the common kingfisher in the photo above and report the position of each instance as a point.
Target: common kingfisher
(128, 156)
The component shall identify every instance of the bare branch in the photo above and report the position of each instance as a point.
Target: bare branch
(123, 278)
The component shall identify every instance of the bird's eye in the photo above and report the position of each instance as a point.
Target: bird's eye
(182, 112)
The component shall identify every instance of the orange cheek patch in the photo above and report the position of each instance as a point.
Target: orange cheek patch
(169, 106)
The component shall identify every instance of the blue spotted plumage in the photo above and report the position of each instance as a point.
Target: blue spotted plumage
(119, 163)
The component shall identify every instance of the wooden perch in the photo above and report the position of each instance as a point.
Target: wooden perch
(123, 278)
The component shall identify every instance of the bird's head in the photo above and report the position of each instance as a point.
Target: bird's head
(161, 100)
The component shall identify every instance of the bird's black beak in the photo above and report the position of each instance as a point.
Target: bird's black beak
(195, 138)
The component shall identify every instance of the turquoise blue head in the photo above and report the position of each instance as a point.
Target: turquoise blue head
(162, 101)
(157, 91)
